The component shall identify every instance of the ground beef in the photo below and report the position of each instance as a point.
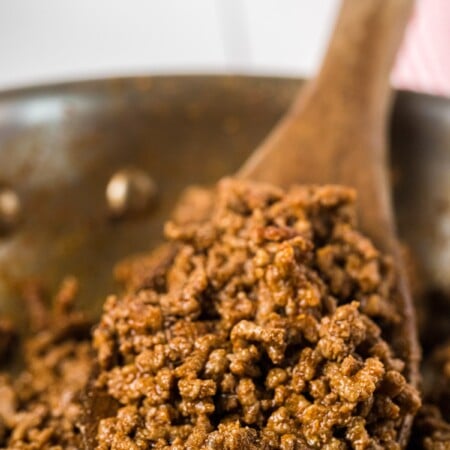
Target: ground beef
(438, 389)
(39, 407)
(431, 431)
(262, 324)
(432, 425)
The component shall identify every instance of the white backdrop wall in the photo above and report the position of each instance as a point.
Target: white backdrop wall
(46, 40)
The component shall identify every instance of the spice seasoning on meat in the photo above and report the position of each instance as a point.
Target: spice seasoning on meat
(432, 425)
(39, 407)
(262, 324)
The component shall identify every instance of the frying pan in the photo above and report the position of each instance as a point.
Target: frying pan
(60, 144)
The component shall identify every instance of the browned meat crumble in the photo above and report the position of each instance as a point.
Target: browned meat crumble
(432, 425)
(432, 430)
(261, 325)
(236, 373)
(39, 406)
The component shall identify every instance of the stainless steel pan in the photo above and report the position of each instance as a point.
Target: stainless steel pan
(60, 144)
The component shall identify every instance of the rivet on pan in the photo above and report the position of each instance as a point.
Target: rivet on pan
(10, 209)
(130, 190)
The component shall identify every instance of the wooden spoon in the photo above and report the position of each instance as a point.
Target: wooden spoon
(335, 132)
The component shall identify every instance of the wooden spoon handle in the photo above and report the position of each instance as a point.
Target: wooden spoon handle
(335, 131)
(357, 65)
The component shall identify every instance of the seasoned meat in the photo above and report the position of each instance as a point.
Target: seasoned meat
(263, 326)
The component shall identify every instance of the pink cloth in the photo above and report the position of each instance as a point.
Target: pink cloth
(423, 62)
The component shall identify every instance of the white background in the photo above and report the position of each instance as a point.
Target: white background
(47, 40)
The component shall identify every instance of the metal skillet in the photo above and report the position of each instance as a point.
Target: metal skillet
(60, 144)
(230, 126)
